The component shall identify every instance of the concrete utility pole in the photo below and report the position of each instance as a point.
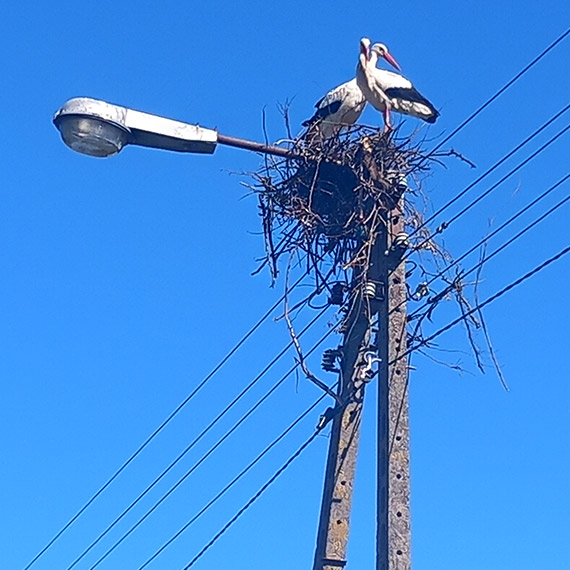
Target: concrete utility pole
(383, 298)
(393, 536)
(332, 536)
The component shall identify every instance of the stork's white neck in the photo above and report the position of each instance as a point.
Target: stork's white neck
(373, 59)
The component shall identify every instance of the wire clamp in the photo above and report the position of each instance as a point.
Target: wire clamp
(367, 372)
(421, 291)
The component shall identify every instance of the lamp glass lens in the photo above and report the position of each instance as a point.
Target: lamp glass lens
(91, 136)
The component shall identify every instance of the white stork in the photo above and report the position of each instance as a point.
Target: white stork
(340, 107)
(386, 90)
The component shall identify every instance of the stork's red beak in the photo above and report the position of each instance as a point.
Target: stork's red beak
(390, 59)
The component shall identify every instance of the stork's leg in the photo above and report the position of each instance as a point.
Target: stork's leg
(387, 124)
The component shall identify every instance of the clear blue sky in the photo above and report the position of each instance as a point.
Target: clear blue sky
(124, 281)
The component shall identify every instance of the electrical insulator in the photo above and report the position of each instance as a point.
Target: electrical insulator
(401, 241)
(337, 294)
(399, 180)
(328, 361)
(370, 289)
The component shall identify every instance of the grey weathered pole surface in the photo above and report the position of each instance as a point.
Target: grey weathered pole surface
(393, 538)
(383, 305)
(332, 536)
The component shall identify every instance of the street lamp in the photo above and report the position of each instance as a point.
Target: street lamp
(101, 129)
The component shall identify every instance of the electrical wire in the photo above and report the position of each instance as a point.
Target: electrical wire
(491, 169)
(233, 481)
(194, 442)
(480, 306)
(495, 232)
(262, 319)
(503, 89)
(170, 417)
(519, 234)
(474, 202)
(253, 499)
(489, 300)
(195, 466)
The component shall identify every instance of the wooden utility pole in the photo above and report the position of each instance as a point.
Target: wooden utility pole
(381, 301)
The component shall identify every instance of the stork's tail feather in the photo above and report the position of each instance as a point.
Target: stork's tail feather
(314, 119)
(434, 117)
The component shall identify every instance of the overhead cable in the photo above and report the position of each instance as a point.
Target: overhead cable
(243, 392)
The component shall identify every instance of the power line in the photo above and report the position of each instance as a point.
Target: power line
(446, 224)
(194, 467)
(492, 254)
(487, 301)
(509, 174)
(161, 426)
(503, 89)
(253, 499)
(256, 326)
(494, 167)
(233, 482)
(491, 169)
(461, 126)
(496, 231)
(425, 341)
(509, 241)
(194, 442)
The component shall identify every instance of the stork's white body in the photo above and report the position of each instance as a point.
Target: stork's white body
(340, 107)
(386, 91)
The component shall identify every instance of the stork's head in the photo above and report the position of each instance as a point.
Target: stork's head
(365, 47)
(380, 50)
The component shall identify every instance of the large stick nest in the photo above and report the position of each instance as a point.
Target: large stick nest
(329, 198)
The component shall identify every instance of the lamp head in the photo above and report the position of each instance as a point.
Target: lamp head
(91, 135)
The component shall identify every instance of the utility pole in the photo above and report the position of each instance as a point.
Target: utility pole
(393, 535)
(383, 295)
(334, 523)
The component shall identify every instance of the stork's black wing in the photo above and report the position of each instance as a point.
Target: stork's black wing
(413, 95)
(323, 111)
